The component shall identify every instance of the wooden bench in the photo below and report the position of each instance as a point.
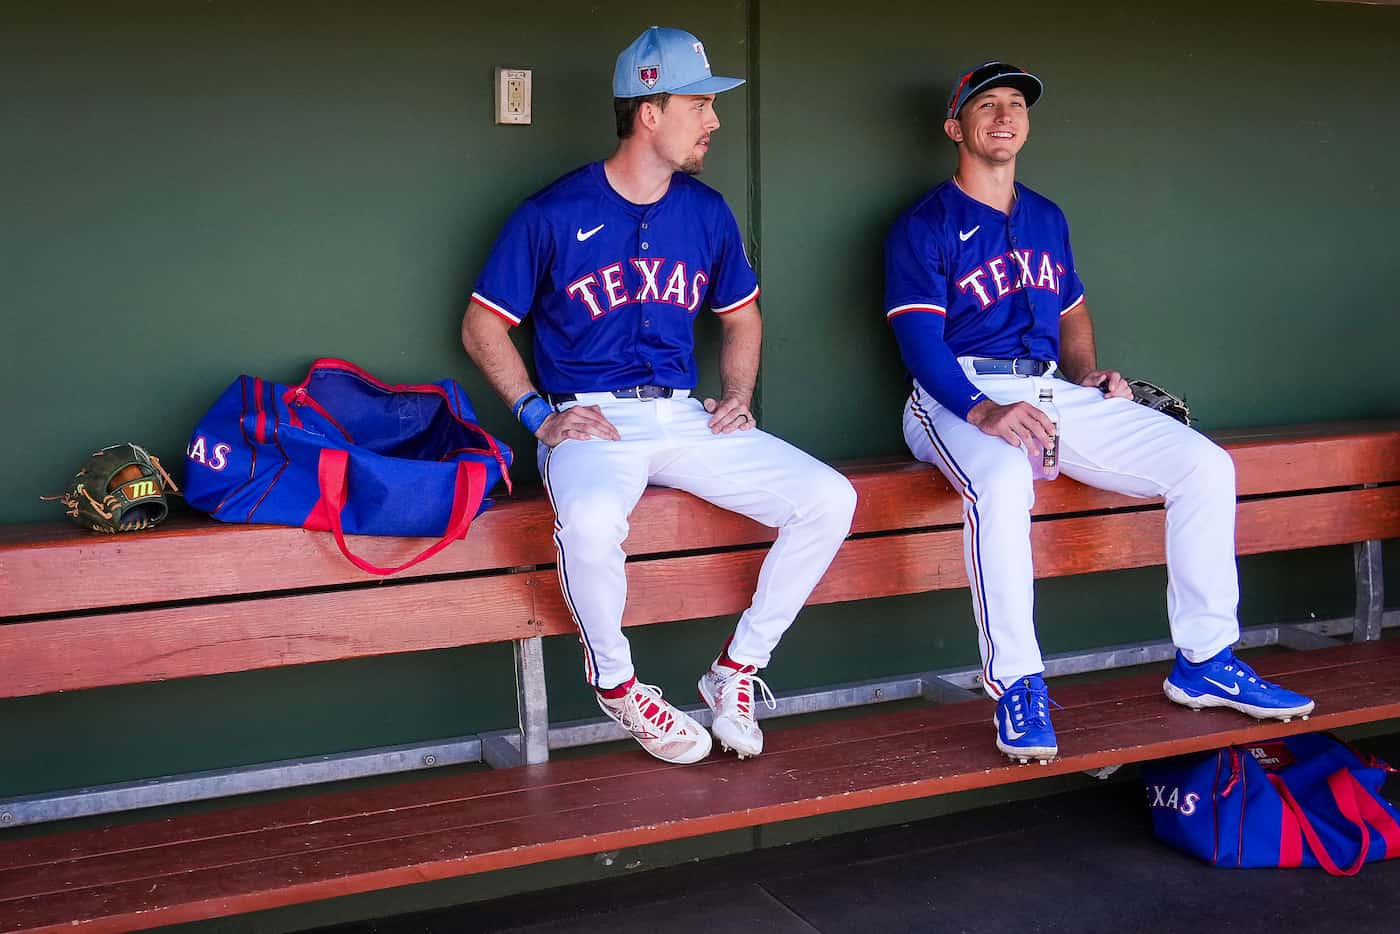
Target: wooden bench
(241, 598)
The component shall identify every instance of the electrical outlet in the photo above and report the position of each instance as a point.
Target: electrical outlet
(513, 95)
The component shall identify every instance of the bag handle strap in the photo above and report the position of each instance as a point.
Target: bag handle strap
(468, 491)
(1343, 788)
(1378, 816)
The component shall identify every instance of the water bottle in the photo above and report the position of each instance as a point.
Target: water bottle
(1045, 462)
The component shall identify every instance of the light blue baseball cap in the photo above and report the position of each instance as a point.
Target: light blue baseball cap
(666, 60)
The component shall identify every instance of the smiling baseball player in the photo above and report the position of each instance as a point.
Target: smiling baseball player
(984, 298)
(613, 263)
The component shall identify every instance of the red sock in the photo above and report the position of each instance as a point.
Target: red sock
(724, 658)
(619, 691)
(728, 662)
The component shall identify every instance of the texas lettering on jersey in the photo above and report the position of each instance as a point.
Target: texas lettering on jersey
(612, 287)
(1000, 282)
(964, 279)
(1012, 272)
(604, 290)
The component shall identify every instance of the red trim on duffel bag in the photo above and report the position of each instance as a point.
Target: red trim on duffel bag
(469, 488)
(276, 440)
(1379, 817)
(299, 393)
(303, 398)
(1244, 807)
(261, 431)
(1215, 809)
(1290, 842)
(1341, 784)
(252, 455)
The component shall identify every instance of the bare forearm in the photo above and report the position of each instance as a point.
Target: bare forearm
(739, 354)
(1078, 357)
(486, 339)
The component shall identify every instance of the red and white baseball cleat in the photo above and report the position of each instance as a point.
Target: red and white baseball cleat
(729, 693)
(665, 731)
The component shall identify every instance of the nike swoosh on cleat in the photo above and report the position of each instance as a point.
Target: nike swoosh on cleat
(582, 236)
(964, 237)
(1232, 690)
(1011, 731)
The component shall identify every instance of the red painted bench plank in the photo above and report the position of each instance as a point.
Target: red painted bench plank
(1098, 702)
(1361, 663)
(215, 638)
(717, 584)
(150, 645)
(42, 565)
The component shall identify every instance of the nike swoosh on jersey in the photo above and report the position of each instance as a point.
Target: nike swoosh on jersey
(964, 237)
(582, 235)
(1231, 690)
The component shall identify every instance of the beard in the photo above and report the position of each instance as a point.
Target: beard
(693, 166)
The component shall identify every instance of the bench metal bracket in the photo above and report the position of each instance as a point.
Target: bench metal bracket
(940, 690)
(532, 699)
(529, 745)
(1370, 591)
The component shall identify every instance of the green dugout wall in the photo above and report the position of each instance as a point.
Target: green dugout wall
(193, 191)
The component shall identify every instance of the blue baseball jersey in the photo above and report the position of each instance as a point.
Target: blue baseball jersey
(964, 276)
(614, 287)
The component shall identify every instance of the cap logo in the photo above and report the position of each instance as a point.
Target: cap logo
(700, 51)
(650, 74)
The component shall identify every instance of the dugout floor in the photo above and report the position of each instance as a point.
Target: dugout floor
(1079, 862)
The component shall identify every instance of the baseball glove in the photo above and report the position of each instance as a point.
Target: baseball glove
(121, 488)
(1159, 400)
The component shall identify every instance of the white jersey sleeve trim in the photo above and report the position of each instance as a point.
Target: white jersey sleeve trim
(905, 309)
(1073, 305)
(739, 304)
(492, 306)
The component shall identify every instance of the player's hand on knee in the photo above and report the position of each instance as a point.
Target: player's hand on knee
(729, 414)
(1110, 382)
(1015, 424)
(577, 423)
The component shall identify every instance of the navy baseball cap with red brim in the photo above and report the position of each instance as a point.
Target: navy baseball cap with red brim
(667, 60)
(993, 75)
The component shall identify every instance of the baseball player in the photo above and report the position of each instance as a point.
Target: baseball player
(613, 263)
(984, 298)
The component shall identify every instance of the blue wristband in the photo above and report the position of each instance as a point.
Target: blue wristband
(518, 406)
(534, 412)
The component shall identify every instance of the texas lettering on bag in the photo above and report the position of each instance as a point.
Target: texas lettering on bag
(1185, 805)
(216, 458)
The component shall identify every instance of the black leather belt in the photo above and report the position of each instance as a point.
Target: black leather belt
(631, 392)
(992, 366)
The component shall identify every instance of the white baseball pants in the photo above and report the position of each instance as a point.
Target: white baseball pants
(595, 484)
(1112, 444)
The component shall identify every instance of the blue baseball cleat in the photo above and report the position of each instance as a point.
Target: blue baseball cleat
(1225, 681)
(1023, 721)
